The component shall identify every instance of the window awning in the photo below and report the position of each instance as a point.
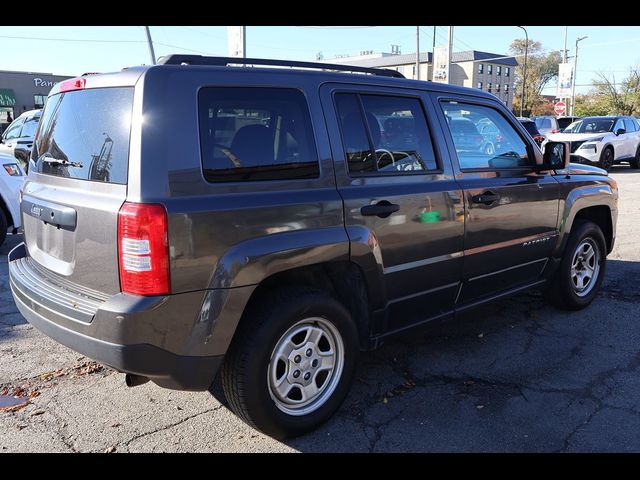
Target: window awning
(7, 97)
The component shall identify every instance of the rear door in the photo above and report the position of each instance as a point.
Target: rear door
(632, 134)
(511, 210)
(399, 195)
(77, 182)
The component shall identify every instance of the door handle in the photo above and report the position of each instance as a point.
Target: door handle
(486, 198)
(381, 209)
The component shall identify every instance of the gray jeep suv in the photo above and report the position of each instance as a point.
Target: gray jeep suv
(269, 223)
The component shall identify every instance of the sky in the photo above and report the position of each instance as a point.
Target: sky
(76, 50)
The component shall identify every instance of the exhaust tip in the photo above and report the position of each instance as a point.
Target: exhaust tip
(134, 380)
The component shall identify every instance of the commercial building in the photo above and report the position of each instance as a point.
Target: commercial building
(491, 72)
(22, 91)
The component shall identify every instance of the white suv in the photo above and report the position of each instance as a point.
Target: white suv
(602, 141)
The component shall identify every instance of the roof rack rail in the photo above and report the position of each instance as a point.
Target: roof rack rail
(178, 59)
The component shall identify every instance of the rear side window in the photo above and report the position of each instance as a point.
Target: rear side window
(85, 135)
(630, 125)
(384, 134)
(255, 133)
(531, 128)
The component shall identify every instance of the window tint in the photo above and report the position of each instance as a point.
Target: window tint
(565, 122)
(14, 130)
(250, 133)
(87, 133)
(630, 125)
(531, 128)
(397, 133)
(29, 127)
(483, 138)
(356, 145)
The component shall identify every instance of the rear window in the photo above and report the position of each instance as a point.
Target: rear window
(256, 133)
(85, 135)
(531, 128)
(542, 122)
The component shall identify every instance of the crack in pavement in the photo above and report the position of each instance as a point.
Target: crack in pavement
(166, 427)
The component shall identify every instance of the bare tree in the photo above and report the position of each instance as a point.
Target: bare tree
(622, 98)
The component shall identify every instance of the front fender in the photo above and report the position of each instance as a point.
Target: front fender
(580, 197)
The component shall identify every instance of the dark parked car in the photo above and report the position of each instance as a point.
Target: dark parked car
(17, 139)
(530, 126)
(259, 224)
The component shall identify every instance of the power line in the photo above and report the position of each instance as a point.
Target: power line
(72, 39)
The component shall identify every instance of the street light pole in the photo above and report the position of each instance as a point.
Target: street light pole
(150, 42)
(524, 73)
(575, 75)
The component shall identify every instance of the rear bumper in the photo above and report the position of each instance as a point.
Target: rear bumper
(123, 330)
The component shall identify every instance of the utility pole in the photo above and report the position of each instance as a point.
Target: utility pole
(418, 52)
(450, 52)
(433, 51)
(564, 52)
(575, 75)
(244, 42)
(150, 42)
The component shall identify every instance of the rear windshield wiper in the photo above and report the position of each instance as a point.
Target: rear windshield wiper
(60, 161)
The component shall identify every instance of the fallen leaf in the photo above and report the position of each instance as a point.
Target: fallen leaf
(110, 450)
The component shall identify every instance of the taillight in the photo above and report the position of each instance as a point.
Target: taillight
(555, 130)
(143, 249)
(72, 84)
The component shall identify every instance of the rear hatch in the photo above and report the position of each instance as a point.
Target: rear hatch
(76, 185)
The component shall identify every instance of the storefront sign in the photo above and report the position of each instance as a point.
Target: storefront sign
(39, 82)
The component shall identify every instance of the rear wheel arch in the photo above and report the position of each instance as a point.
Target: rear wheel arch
(344, 280)
(7, 213)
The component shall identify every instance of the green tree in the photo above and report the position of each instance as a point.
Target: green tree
(592, 105)
(542, 67)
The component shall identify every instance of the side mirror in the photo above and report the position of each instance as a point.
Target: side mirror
(620, 131)
(556, 155)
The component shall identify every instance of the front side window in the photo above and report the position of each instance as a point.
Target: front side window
(255, 133)
(13, 131)
(483, 138)
(630, 125)
(384, 134)
(29, 127)
(619, 124)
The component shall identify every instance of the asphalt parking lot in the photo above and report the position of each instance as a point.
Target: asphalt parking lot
(515, 376)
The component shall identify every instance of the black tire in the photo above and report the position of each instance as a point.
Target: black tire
(561, 291)
(3, 226)
(635, 161)
(244, 373)
(606, 158)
